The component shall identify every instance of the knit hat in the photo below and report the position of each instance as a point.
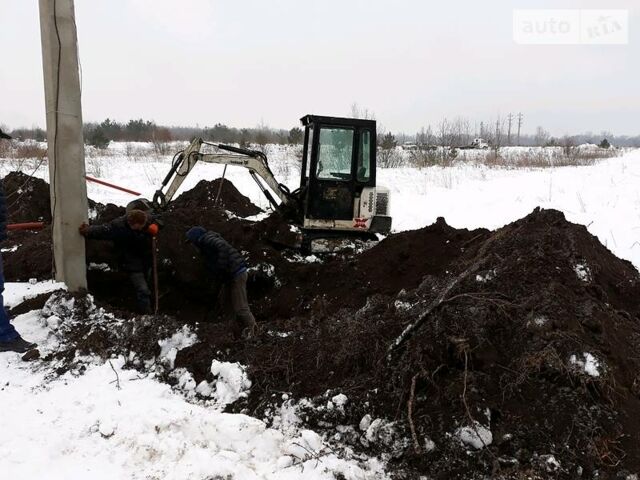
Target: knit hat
(137, 217)
(195, 233)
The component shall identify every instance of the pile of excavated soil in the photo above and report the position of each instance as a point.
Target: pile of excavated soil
(27, 198)
(205, 193)
(505, 354)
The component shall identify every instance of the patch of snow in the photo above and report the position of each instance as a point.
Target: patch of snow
(340, 401)
(231, 382)
(10, 249)
(429, 445)
(540, 321)
(486, 277)
(583, 272)
(402, 306)
(476, 436)
(365, 422)
(549, 463)
(589, 364)
(274, 333)
(169, 347)
(16, 293)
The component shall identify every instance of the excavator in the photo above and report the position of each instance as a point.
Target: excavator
(337, 198)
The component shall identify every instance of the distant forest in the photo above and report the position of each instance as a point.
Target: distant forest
(456, 132)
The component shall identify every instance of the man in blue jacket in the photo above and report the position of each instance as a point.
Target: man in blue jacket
(10, 339)
(230, 269)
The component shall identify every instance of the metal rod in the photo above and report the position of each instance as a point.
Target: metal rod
(155, 275)
(224, 172)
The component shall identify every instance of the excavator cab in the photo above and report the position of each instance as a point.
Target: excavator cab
(338, 177)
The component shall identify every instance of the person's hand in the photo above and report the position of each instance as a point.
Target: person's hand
(84, 229)
(153, 229)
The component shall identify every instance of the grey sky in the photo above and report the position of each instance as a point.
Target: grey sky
(240, 62)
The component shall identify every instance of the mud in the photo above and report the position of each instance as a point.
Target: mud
(503, 325)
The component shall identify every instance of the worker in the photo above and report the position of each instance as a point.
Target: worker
(10, 339)
(229, 268)
(131, 235)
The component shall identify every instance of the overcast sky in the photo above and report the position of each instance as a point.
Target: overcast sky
(242, 62)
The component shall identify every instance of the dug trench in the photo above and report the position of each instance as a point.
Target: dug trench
(511, 353)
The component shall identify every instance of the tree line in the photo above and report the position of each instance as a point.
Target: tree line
(456, 132)
(140, 130)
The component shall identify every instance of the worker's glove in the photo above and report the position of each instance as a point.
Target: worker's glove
(153, 229)
(84, 229)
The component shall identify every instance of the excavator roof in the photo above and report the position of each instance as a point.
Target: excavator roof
(355, 122)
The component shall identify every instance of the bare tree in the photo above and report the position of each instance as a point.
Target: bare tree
(541, 137)
(360, 112)
(498, 137)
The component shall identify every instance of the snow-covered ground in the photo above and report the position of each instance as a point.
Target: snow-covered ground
(112, 423)
(84, 426)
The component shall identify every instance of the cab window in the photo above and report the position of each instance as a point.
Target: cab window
(364, 157)
(335, 150)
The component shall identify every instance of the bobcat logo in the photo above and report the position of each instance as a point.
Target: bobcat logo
(360, 223)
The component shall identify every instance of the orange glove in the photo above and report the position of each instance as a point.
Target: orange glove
(153, 229)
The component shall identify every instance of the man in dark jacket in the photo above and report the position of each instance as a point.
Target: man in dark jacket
(131, 235)
(10, 340)
(229, 268)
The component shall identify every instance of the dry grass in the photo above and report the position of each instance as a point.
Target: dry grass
(20, 151)
(537, 158)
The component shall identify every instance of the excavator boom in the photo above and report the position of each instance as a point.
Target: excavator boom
(254, 161)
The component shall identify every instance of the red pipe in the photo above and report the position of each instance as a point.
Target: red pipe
(26, 226)
(111, 185)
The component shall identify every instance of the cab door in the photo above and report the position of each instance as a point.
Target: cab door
(331, 183)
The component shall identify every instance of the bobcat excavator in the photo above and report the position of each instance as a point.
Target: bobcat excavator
(337, 198)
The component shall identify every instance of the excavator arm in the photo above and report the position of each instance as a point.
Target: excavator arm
(254, 161)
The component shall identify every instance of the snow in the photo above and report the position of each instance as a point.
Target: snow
(85, 427)
(476, 436)
(112, 423)
(169, 347)
(16, 292)
(588, 364)
(233, 382)
(583, 272)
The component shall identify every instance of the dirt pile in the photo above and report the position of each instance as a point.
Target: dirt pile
(203, 197)
(523, 358)
(27, 198)
(510, 354)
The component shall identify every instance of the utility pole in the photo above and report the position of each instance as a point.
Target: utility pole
(519, 125)
(68, 189)
(510, 118)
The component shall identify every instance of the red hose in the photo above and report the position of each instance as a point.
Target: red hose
(26, 226)
(111, 185)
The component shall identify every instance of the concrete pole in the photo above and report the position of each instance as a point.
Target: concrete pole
(69, 205)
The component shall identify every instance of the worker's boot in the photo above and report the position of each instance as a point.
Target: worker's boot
(144, 306)
(18, 345)
(249, 327)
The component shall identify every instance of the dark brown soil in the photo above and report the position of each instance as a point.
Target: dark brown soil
(27, 198)
(491, 322)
